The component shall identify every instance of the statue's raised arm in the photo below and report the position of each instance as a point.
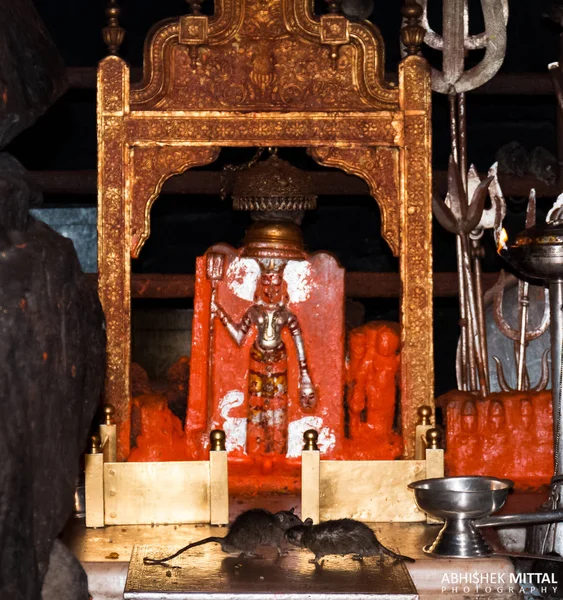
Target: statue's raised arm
(237, 332)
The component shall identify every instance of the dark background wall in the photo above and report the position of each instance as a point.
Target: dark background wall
(184, 226)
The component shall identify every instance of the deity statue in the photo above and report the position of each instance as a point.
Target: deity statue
(268, 369)
(372, 386)
(268, 335)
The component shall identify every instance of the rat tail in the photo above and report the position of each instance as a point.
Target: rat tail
(162, 561)
(395, 555)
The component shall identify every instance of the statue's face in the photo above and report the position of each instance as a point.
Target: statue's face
(496, 415)
(272, 287)
(357, 346)
(527, 411)
(387, 342)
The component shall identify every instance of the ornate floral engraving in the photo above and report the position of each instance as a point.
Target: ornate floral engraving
(274, 61)
(417, 367)
(151, 167)
(379, 167)
(289, 129)
(113, 239)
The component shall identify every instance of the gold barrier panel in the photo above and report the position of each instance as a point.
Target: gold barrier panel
(121, 493)
(163, 492)
(366, 490)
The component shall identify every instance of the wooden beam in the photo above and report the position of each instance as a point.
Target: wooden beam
(358, 285)
(327, 183)
(66, 182)
(517, 84)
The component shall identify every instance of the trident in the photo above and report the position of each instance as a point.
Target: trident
(214, 271)
(456, 41)
(471, 219)
(523, 335)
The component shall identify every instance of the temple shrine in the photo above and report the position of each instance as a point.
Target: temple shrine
(288, 359)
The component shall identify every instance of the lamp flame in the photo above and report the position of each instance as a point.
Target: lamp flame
(502, 239)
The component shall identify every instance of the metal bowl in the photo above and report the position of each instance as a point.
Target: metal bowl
(460, 501)
(461, 497)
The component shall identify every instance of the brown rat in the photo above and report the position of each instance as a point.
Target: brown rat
(341, 536)
(251, 529)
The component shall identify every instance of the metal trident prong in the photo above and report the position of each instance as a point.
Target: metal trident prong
(470, 42)
(521, 336)
(463, 211)
(456, 40)
(459, 215)
(540, 385)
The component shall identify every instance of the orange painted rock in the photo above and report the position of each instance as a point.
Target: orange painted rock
(161, 436)
(508, 434)
(140, 383)
(371, 392)
(177, 383)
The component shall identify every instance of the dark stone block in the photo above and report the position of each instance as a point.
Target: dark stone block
(52, 343)
(32, 73)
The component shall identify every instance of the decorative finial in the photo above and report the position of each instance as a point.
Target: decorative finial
(217, 439)
(424, 415)
(113, 33)
(433, 439)
(334, 6)
(95, 442)
(310, 437)
(412, 33)
(109, 411)
(195, 5)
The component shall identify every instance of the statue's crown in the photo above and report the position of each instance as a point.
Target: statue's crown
(272, 266)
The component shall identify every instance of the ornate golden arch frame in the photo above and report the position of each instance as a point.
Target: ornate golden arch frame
(265, 73)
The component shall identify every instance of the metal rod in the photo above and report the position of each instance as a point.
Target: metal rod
(556, 305)
(465, 369)
(477, 253)
(462, 139)
(476, 356)
(524, 302)
(559, 114)
(464, 384)
(476, 348)
(550, 516)
(453, 127)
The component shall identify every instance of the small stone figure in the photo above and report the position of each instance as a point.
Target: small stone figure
(509, 434)
(372, 386)
(267, 381)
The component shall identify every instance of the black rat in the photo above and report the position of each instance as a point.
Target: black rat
(340, 536)
(251, 529)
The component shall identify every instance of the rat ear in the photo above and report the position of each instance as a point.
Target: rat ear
(280, 517)
(308, 522)
(292, 510)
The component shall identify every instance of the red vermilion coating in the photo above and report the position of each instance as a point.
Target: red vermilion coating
(508, 434)
(161, 437)
(372, 384)
(258, 462)
(321, 319)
